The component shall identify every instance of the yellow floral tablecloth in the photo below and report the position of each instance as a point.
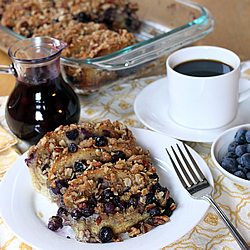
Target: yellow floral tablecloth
(117, 104)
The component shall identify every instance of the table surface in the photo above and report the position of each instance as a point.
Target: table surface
(232, 32)
(117, 104)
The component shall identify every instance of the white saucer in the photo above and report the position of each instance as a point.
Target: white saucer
(151, 108)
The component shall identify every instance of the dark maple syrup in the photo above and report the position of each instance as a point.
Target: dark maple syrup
(34, 109)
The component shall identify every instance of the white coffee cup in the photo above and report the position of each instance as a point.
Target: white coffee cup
(204, 102)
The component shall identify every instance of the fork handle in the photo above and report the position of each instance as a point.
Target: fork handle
(242, 243)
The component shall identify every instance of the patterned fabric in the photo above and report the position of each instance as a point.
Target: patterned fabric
(117, 104)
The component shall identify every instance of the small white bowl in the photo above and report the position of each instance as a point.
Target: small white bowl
(219, 149)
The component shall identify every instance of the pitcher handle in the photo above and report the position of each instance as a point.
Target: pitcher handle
(7, 69)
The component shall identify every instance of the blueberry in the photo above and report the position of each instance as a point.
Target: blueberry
(150, 199)
(154, 176)
(107, 194)
(72, 148)
(116, 200)
(229, 164)
(24, 24)
(105, 234)
(245, 170)
(55, 222)
(76, 214)
(232, 146)
(241, 149)
(45, 167)
(240, 136)
(231, 155)
(248, 175)
(248, 148)
(30, 159)
(164, 189)
(59, 184)
(170, 201)
(245, 159)
(72, 134)
(83, 17)
(168, 212)
(248, 136)
(101, 141)
(79, 166)
(129, 21)
(92, 200)
(157, 186)
(239, 160)
(122, 205)
(118, 155)
(87, 211)
(109, 208)
(155, 211)
(240, 174)
(133, 201)
(61, 211)
(107, 20)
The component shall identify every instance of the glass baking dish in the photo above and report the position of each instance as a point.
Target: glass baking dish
(166, 25)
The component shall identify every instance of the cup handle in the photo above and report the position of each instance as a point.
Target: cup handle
(243, 95)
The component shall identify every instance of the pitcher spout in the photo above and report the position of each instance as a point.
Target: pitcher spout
(62, 45)
(36, 49)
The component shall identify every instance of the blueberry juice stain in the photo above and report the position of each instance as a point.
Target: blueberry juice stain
(35, 109)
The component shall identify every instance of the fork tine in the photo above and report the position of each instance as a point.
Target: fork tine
(195, 164)
(182, 168)
(176, 170)
(187, 164)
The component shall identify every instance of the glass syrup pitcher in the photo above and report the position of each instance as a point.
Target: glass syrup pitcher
(41, 99)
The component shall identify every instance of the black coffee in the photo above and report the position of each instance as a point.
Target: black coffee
(203, 68)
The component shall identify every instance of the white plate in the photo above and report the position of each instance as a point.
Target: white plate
(151, 108)
(20, 205)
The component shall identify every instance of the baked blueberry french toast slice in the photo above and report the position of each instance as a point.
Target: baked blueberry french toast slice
(68, 139)
(103, 183)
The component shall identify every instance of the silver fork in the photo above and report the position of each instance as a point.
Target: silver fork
(201, 189)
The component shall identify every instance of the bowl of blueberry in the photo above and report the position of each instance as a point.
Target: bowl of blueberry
(231, 154)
